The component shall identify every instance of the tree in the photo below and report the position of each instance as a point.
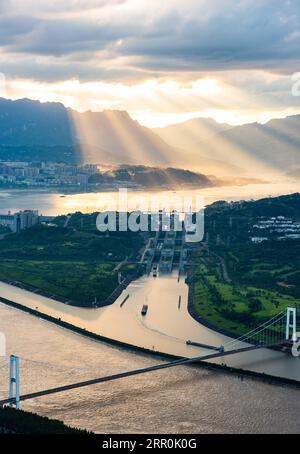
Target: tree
(255, 305)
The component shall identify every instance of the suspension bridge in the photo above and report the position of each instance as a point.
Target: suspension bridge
(279, 332)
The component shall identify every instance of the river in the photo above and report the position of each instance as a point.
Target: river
(178, 400)
(165, 328)
(51, 204)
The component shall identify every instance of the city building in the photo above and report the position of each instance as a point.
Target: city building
(20, 221)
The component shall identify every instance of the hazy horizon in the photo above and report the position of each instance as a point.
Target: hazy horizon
(184, 118)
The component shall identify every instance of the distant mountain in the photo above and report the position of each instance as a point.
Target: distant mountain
(30, 130)
(188, 134)
(69, 154)
(109, 136)
(117, 133)
(274, 146)
(31, 123)
(270, 148)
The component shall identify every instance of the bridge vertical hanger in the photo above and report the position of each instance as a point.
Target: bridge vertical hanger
(291, 316)
(14, 380)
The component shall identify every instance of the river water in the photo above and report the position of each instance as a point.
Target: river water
(166, 327)
(48, 203)
(179, 400)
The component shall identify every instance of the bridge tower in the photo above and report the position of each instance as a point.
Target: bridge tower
(291, 322)
(14, 380)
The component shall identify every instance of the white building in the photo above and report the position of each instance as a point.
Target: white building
(20, 221)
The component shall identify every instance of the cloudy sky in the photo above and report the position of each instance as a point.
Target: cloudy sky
(163, 61)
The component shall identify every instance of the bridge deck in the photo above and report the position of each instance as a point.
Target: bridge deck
(131, 373)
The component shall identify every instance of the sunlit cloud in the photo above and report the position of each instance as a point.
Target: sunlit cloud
(234, 98)
(163, 62)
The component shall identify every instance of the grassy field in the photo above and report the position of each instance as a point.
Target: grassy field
(79, 281)
(233, 306)
(77, 263)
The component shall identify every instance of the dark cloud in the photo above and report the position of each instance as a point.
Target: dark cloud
(55, 6)
(62, 70)
(240, 34)
(66, 37)
(253, 37)
(14, 28)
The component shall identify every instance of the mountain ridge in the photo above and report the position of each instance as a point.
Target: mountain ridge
(33, 130)
(270, 147)
(113, 137)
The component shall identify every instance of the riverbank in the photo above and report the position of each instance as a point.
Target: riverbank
(13, 422)
(54, 260)
(191, 307)
(196, 316)
(108, 301)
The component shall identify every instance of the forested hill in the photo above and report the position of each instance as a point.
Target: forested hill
(285, 205)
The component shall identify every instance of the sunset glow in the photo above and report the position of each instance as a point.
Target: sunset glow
(96, 55)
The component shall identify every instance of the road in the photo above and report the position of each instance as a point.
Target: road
(224, 270)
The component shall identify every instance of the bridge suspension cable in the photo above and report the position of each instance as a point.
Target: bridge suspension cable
(273, 330)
